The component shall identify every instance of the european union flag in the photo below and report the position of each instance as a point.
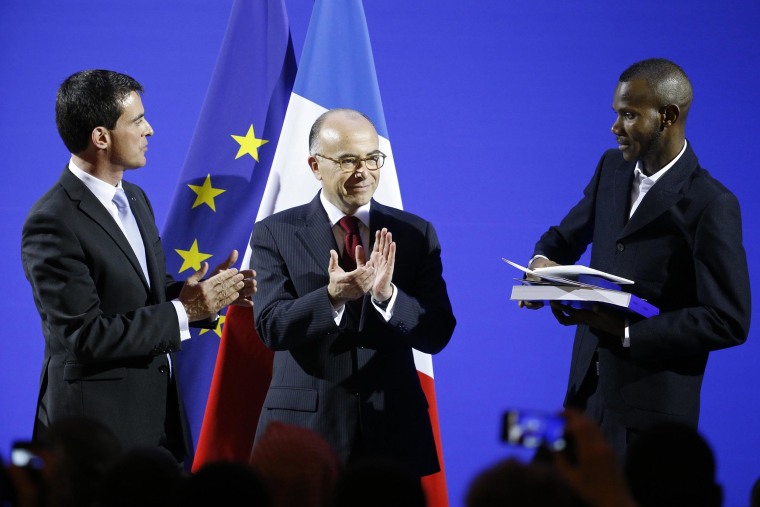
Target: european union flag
(227, 167)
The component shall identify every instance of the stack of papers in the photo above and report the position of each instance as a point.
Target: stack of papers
(578, 286)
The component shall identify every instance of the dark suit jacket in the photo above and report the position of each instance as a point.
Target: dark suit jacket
(356, 383)
(106, 333)
(683, 248)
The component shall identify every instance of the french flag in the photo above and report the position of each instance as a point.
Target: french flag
(336, 70)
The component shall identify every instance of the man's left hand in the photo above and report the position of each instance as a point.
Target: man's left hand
(383, 258)
(249, 280)
(598, 317)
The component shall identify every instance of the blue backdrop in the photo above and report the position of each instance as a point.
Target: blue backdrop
(498, 113)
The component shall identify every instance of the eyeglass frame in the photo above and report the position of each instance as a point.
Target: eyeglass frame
(380, 161)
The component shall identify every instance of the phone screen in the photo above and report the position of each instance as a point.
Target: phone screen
(533, 428)
(23, 455)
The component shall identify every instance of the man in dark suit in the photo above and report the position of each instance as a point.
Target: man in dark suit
(111, 316)
(343, 330)
(655, 216)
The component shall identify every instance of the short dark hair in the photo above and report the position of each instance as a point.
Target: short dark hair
(669, 82)
(89, 99)
(316, 128)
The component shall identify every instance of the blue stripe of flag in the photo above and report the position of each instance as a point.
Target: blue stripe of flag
(332, 66)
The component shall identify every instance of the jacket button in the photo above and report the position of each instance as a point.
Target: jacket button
(163, 368)
(620, 247)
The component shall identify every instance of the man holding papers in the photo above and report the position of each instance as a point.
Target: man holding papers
(654, 216)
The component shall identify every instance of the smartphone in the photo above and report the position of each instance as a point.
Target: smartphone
(533, 429)
(23, 455)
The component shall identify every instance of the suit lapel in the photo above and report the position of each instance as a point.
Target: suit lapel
(622, 192)
(378, 218)
(144, 218)
(315, 232)
(89, 205)
(664, 194)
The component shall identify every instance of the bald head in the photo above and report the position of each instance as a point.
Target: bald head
(316, 128)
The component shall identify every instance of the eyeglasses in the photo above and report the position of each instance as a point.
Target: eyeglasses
(351, 164)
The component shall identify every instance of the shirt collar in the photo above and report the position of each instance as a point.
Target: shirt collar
(640, 176)
(334, 214)
(102, 190)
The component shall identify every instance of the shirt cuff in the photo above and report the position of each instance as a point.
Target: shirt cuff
(385, 308)
(627, 337)
(338, 314)
(184, 323)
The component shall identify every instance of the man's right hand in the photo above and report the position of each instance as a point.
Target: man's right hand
(536, 262)
(204, 298)
(348, 286)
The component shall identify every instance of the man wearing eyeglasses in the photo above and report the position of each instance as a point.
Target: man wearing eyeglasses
(343, 326)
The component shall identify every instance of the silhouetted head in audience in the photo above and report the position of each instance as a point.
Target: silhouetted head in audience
(379, 482)
(671, 465)
(516, 484)
(754, 496)
(79, 451)
(297, 465)
(224, 483)
(144, 477)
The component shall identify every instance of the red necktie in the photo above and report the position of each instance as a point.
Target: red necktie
(350, 226)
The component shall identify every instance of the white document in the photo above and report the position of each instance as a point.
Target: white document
(565, 274)
(575, 270)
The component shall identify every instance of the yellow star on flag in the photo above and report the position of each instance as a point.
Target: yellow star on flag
(217, 329)
(192, 258)
(249, 144)
(206, 193)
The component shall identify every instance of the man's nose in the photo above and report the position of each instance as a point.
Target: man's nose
(615, 129)
(361, 168)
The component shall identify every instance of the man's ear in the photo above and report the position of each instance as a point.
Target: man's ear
(669, 115)
(314, 166)
(100, 137)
